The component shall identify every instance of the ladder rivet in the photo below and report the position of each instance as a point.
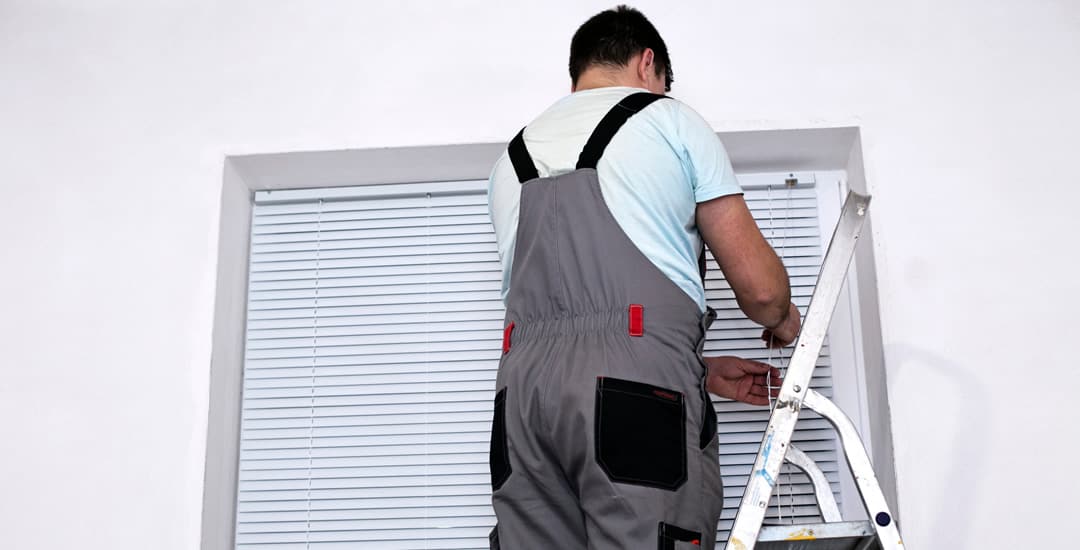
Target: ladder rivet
(798, 388)
(761, 504)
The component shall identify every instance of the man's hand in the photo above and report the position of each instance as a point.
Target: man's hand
(741, 379)
(784, 333)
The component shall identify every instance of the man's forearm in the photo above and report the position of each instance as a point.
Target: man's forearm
(769, 307)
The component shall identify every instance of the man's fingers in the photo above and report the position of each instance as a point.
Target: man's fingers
(763, 390)
(755, 400)
(754, 367)
(773, 342)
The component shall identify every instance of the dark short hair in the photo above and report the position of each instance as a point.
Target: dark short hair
(612, 37)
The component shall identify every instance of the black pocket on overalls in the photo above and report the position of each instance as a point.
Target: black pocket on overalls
(708, 419)
(640, 433)
(676, 538)
(499, 456)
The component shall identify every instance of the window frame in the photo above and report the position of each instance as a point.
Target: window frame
(244, 175)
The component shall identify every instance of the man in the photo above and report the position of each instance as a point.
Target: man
(604, 436)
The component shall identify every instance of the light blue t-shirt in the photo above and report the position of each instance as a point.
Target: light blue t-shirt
(659, 165)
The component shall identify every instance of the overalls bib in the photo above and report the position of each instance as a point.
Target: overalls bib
(603, 436)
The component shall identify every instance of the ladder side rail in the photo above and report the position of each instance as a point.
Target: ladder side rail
(861, 468)
(751, 513)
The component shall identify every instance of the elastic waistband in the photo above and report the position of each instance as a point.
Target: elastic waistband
(656, 318)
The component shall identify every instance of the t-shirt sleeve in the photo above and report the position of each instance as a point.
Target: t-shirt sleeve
(710, 169)
(504, 196)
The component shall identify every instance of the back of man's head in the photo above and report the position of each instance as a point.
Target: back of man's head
(612, 38)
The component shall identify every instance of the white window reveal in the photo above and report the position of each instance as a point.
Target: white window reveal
(373, 337)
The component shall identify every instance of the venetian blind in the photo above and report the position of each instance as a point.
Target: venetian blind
(374, 333)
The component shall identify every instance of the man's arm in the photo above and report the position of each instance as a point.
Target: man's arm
(750, 265)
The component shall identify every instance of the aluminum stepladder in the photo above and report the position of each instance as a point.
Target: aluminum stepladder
(880, 531)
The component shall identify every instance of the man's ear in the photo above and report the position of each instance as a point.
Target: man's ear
(645, 68)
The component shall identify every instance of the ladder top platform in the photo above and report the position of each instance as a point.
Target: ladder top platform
(844, 535)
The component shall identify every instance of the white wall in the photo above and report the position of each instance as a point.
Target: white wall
(114, 122)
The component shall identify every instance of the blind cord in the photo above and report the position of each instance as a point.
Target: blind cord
(314, 360)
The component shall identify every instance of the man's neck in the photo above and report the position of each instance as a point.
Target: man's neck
(598, 78)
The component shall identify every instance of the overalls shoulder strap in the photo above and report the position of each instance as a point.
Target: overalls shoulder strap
(610, 124)
(523, 163)
(608, 127)
(520, 158)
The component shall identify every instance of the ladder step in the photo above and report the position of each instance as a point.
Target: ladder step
(842, 535)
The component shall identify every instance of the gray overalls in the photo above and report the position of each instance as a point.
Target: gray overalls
(603, 435)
